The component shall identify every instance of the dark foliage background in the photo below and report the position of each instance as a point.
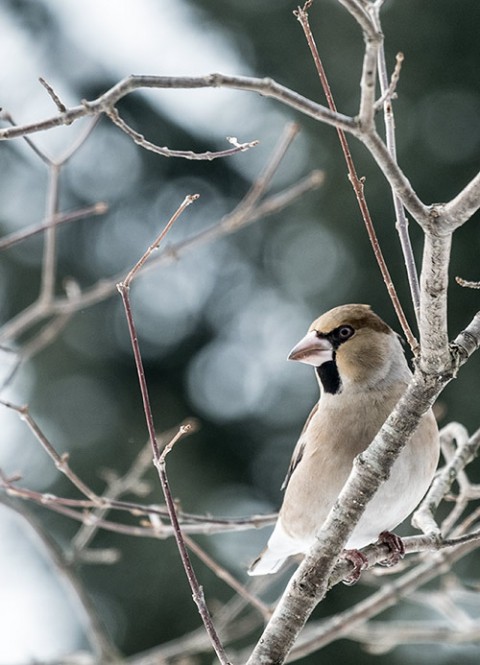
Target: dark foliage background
(215, 326)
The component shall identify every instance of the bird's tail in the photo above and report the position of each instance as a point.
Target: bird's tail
(266, 563)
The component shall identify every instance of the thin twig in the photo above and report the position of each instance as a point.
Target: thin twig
(465, 283)
(78, 510)
(77, 142)
(197, 590)
(42, 339)
(159, 459)
(387, 90)
(402, 222)
(31, 144)
(53, 95)
(60, 461)
(140, 140)
(240, 217)
(60, 218)
(467, 448)
(130, 482)
(356, 182)
(264, 178)
(223, 574)
(155, 245)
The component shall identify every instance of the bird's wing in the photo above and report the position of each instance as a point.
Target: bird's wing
(299, 448)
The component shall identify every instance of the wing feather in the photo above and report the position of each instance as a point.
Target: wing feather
(299, 449)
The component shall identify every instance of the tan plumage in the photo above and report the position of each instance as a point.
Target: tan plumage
(362, 372)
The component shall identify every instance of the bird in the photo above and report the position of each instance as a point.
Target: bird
(362, 372)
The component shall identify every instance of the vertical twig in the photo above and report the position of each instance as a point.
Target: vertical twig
(357, 183)
(49, 264)
(197, 590)
(159, 459)
(387, 91)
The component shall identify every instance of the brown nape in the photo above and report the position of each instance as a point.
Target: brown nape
(356, 315)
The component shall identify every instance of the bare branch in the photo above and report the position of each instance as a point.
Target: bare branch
(168, 152)
(466, 450)
(381, 636)
(77, 510)
(467, 341)
(155, 245)
(361, 13)
(402, 222)
(397, 180)
(60, 461)
(464, 205)
(465, 283)
(266, 87)
(159, 459)
(49, 263)
(60, 218)
(227, 577)
(435, 352)
(316, 637)
(53, 95)
(366, 120)
(240, 217)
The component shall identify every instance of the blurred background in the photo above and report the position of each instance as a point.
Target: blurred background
(215, 326)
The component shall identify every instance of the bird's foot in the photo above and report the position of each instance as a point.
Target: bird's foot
(395, 545)
(359, 561)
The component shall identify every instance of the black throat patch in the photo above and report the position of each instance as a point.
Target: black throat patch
(329, 376)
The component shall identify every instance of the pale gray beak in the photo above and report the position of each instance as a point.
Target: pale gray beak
(312, 350)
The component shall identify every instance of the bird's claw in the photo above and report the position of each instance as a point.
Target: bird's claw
(395, 545)
(359, 561)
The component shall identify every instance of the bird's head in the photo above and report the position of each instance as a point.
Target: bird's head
(351, 345)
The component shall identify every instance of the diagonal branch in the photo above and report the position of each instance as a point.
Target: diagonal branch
(464, 205)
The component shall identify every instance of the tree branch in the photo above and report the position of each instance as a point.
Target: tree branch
(465, 204)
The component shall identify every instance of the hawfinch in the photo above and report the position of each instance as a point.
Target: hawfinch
(362, 372)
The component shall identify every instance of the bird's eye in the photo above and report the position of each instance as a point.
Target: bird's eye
(343, 333)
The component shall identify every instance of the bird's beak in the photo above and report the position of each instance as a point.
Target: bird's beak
(312, 350)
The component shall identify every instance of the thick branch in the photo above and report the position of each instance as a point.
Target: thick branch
(342, 624)
(310, 583)
(435, 354)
